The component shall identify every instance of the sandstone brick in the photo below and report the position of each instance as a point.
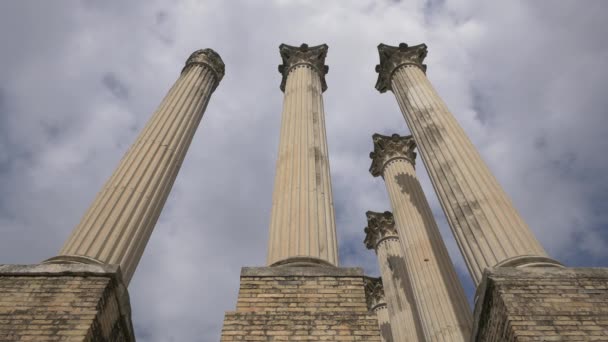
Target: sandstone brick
(63, 303)
(542, 304)
(301, 304)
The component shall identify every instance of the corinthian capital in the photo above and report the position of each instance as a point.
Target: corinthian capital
(379, 227)
(374, 293)
(208, 58)
(392, 57)
(313, 57)
(388, 148)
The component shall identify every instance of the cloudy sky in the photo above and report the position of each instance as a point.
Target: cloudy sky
(78, 80)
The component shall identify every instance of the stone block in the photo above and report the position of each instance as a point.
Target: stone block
(542, 304)
(61, 302)
(301, 304)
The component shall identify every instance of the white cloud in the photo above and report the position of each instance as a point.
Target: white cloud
(526, 81)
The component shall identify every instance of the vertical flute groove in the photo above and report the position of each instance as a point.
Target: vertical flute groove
(488, 229)
(439, 302)
(403, 315)
(302, 210)
(120, 220)
(440, 181)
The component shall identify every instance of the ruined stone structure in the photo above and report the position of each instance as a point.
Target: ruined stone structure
(487, 227)
(376, 302)
(381, 236)
(542, 304)
(118, 224)
(302, 224)
(439, 299)
(301, 294)
(522, 294)
(81, 295)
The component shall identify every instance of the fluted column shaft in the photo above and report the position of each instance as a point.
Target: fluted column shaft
(487, 227)
(302, 225)
(398, 291)
(118, 224)
(376, 302)
(438, 294)
(384, 324)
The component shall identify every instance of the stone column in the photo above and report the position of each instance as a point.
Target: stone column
(489, 230)
(442, 305)
(118, 224)
(381, 236)
(302, 224)
(374, 295)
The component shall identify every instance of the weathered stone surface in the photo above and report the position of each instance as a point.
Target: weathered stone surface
(302, 218)
(381, 236)
(487, 227)
(388, 148)
(54, 302)
(376, 302)
(374, 292)
(310, 56)
(394, 57)
(208, 58)
(306, 304)
(427, 278)
(318, 271)
(542, 304)
(116, 227)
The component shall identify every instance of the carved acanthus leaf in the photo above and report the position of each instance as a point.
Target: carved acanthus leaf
(374, 292)
(303, 55)
(387, 148)
(392, 57)
(379, 227)
(209, 58)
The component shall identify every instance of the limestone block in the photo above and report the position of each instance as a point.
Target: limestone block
(542, 304)
(53, 302)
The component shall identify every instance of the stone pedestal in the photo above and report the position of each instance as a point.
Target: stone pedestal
(119, 223)
(439, 297)
(542, 304)
(381, 236)
(302, 224)
(488, 229)
(376, 302)
(287, 303)
(54, 302)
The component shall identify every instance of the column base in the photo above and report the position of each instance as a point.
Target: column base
(73, 259)
(542, 304)
(303, 261)
(301, 303)
(529, 261)
(60, 302)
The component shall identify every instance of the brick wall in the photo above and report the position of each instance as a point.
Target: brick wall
(542, 304)
(301, 304)
(55, 302)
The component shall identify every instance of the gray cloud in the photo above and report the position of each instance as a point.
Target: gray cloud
(525, 80)
(115, 86)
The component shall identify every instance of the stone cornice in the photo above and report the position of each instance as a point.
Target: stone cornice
(388, 148)
(208, 58)
(379, 227)
(313, 57)
(392, 57)
(374, 292)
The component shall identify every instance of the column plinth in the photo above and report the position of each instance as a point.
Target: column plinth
(437, 293)
(381, 236)
(487, 227)
(302, 224)
(117, 226)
